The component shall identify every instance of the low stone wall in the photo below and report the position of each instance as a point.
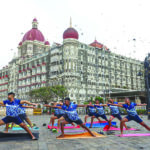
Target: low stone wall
(29, 111)
(3, 111)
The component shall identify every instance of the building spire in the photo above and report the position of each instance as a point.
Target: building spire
(34, 23)
(70, 22)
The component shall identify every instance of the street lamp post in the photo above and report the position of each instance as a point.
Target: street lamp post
(147, 75)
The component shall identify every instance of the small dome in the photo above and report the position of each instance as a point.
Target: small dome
(96, 44)
(70, 33)
(34, 20)
(20, 43)
(47, 43)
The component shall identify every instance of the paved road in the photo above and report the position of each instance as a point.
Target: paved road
(48, 141)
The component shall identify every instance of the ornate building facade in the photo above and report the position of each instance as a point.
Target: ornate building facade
(86, 70)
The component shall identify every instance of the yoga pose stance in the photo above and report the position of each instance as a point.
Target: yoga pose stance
(100, 112)
(132, 114)
(71, 115)
(12, 105)
(22, 115)
(91, 112)
(114, 112)
(58, 114)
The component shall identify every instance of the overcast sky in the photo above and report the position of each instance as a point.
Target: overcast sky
(114, 23)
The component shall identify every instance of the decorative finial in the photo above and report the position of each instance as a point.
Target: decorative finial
(35, 23)
(70, 22)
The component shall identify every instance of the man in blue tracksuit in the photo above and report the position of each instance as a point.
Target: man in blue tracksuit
(132, 114)
(57, 114)
(71, 115)
(91, 112)
(100, 112)
(114, 112)
(12, 104)
(22, 115)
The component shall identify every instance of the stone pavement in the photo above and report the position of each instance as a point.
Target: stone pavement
(48, 141)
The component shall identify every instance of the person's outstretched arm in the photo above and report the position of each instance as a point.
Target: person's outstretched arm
(28, 106)
(121, 103)
(90, 105)
(141, 104)
(115, 105)
(1, 103)
(59, 107)
(82, 105)
(102, 105)
(27, 102)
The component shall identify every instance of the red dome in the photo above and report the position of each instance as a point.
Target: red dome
(70, 33)
(47, 43)
(20, 43)
(34, 20)
(33, 34)
(96, 44)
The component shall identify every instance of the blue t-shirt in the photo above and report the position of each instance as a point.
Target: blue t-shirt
(114, 109)
(92, 109)
(12, 107)
(71, 111)
(21, 110)
(100, 109)
(130, 108)
(59, 111)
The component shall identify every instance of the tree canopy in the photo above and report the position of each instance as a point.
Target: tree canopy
(47, 94)
(93, 100)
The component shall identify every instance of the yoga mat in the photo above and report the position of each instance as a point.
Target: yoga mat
(65, 127)
(133, 135)
(85, 135)
(72, 131)
(55, 124)
(16, 126)
(96, 122)
(16, 136)
(99, 125)
(19, 128)
(100, 122)
(118, 129)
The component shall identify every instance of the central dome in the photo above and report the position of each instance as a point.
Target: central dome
(70, 33)
(34, 33)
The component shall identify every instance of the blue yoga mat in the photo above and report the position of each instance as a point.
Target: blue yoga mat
(67, 125)
(98, 125)
(19, 128)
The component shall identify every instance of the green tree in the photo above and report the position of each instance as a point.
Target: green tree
(100, 99)
(60, 91)
(47, 94)
(91, 100)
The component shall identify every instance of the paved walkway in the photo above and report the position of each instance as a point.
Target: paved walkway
(48, 141)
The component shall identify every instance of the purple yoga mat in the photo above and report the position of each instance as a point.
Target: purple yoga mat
(133, 135)
(73, 131)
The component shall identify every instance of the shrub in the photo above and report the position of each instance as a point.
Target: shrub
(141, 111)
